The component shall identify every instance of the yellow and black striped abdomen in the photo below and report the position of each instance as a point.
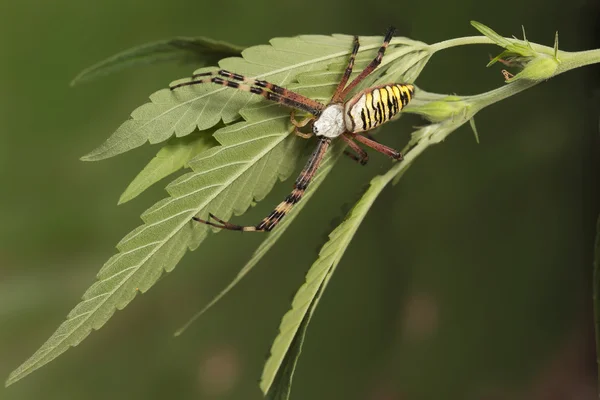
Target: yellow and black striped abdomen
(374, 106)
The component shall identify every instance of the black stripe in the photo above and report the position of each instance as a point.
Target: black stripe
(272, 96)
(375, 110)
(396, 103)
(260, 83)
(402, 96)
(366, 107)
(362, 116)
(356, 45)
(293, 103)
(302, 185)
(390, 104)
(270, 86)
(293, 198)
(203, 74)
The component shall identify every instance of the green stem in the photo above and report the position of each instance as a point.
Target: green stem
(467, 40)
(568, 61)
(446, 44)
(493, 96)
(572, 60)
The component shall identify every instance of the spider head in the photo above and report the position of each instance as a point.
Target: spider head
(331, 122)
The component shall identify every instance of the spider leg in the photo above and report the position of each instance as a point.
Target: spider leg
(302, 134)
(369, 136)
(388, 151)
(301, 124)
(336, 96)
(361, 156)
(507, 75)
(263, 84)
(266, 89)
(371, 67)
(302, 182)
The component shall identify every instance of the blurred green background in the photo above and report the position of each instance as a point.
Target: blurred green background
(471, 279)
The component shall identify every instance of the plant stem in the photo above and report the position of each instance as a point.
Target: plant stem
(467, 40)
(446, 44)
(572, 60)
(568, 61)
(493, 96)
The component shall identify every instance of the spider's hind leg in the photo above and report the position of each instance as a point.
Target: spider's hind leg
(388, 151)
(360, 156)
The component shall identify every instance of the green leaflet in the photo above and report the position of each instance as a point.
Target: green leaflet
(182, 111)
(288, 344)
(282, 382)
(226, 178)
(278, 371)
(199, 51)
(327, 165)
(171, 158)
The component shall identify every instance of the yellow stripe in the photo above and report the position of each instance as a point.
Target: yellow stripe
(383, 97)
(408, 93)
(393, 111)
(374, 107)
(376, 98)
(396, 90)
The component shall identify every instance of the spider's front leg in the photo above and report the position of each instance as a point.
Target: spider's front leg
(302, 182)
(259, 87)
(301, 124)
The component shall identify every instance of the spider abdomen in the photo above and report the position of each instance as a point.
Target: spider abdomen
(375, 106)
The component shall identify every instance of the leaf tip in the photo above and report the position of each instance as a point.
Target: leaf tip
(474, 128)
(12, 378)
(74, 81)
(92, 156)
(123, 199)
(178, 332)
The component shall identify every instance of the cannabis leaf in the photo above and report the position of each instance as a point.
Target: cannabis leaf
(200, 51)
(182, 111)
(225, 179)
(171, 158)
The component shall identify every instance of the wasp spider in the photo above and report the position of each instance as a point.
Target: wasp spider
(342, 118)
